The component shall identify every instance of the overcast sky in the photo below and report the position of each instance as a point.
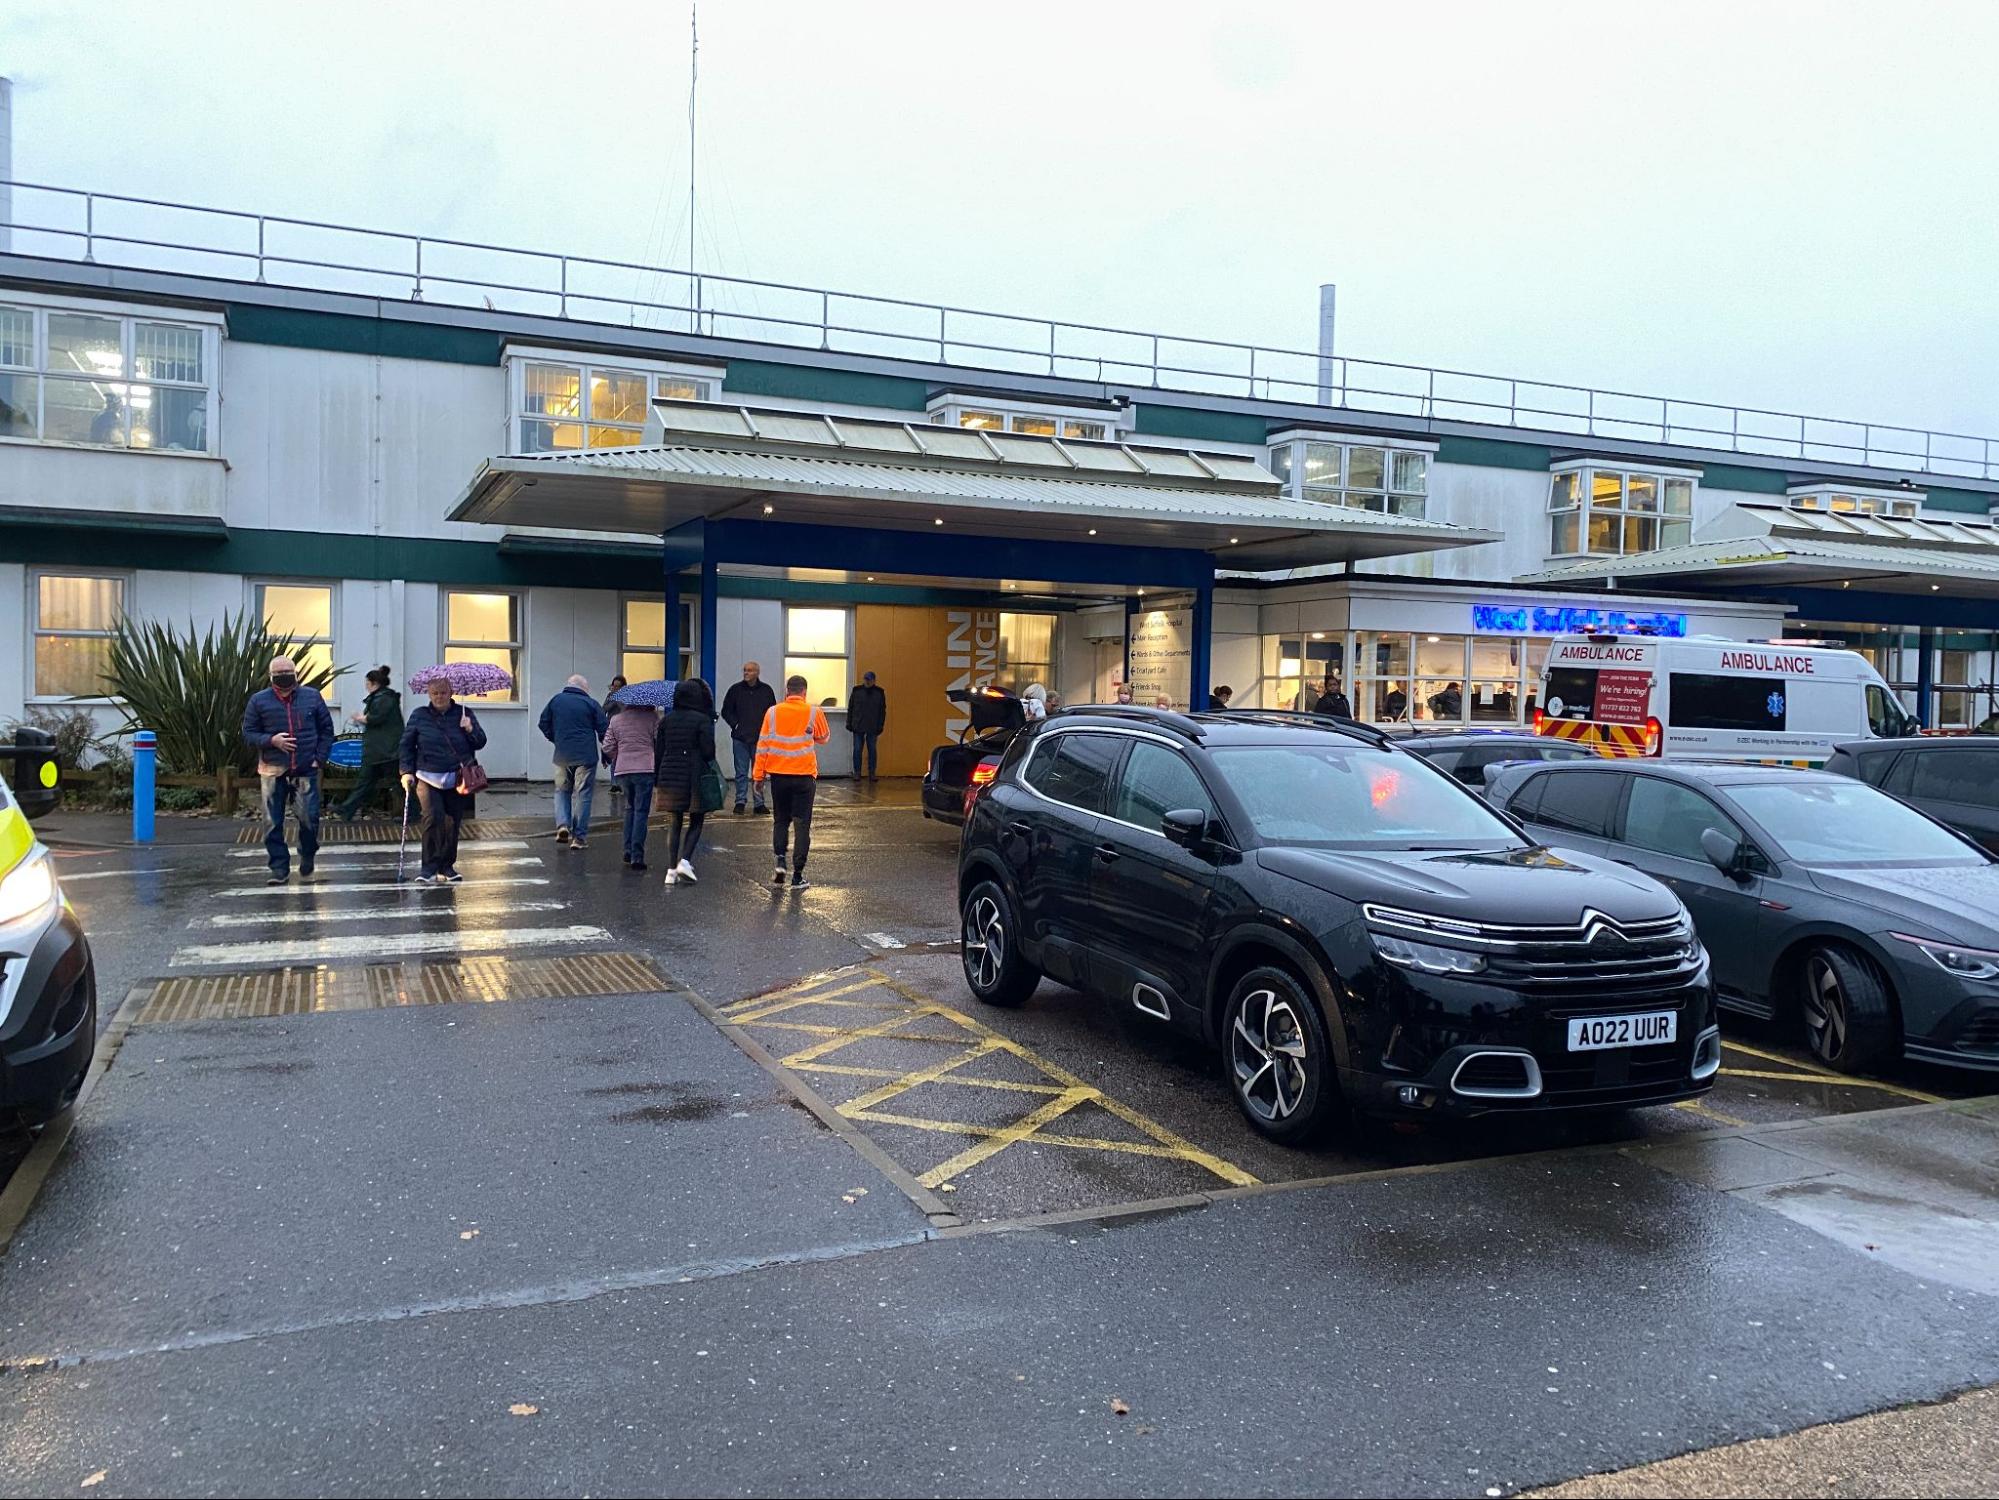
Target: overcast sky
(1790, 205)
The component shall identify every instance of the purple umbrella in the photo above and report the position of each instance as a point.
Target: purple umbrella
(468, 677)
(658, 693)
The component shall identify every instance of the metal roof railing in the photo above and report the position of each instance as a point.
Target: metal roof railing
(153, 234)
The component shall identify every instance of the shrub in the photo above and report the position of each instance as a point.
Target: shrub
(183, 798)
(190, 690)
(74, 729)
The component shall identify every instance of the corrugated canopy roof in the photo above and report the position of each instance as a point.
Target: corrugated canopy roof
(823, 469)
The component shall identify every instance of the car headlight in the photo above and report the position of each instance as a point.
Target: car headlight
(1954, 958)
(1428, 957)
(29, 889)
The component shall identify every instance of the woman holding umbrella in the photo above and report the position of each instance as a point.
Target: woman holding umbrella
(685, 751)
(441, 743)
(628, 745)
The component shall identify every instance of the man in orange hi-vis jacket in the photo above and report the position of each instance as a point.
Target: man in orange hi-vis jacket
(788, 760)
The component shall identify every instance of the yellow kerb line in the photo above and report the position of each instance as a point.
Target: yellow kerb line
(1835, 1080)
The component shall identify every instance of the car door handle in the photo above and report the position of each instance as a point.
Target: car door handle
(1024, 829)
(1107, 852)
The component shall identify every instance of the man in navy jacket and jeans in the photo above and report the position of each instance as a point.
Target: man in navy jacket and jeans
(575, 725)
(287, 724)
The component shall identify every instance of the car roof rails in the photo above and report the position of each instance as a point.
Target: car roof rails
(1165, 718)
(1301, 719)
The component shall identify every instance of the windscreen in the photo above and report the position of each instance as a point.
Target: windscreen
(1571, 693)
(1336, 796)
(1846, 822)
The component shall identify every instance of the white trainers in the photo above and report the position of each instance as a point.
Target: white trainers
(673, 877)
(686, 872)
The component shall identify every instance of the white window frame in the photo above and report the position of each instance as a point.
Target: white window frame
(126, 580)
(1285, 456)
(1585, 472)
(660, 377)
(955, 409)
(254, 587)
(845, 656)
(690, 622)
(1825, 499)
(518, 646)
(128, 316)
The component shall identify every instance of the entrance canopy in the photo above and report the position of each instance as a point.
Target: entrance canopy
(724, 463)
(1776, 547)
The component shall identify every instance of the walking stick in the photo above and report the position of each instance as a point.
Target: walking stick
(404, 842)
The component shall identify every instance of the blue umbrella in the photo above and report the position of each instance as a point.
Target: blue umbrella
(655, 694)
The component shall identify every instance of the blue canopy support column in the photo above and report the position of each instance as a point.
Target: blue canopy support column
(1202, 656)
(692, 546)
(1926, 676)
(708, 577)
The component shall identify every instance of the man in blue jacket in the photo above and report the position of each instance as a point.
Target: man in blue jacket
(287, 724)
(575, 725)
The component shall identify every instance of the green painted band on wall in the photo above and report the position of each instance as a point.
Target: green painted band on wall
(1492, 453)
(756, 377)
(1970, 502)
(1750, 481)
(1198, 425)
(344, 334)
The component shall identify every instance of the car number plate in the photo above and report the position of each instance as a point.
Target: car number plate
(1646, 1029)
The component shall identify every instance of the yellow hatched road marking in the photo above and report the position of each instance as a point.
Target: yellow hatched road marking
(765, 1005)
(918, 1078)
(1836, 1080)
(1702, 1107)
(1812, 1070)
(1002, 1085)
(1019, 1130)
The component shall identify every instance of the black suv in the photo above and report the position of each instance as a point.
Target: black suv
(1350, 927)
(1955, 781)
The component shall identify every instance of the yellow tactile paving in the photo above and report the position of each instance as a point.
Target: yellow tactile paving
(879, 1008)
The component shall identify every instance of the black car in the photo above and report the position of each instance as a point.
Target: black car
(1955, 781)
(995, 716)
(1468, 753)
(1820, 898)
(1350, 927)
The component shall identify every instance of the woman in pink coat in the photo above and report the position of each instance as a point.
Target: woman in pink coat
(628, 750)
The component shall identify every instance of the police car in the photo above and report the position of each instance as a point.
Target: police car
(48, 985)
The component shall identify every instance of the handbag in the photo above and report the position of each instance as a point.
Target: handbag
(709, 789)
(472, 778)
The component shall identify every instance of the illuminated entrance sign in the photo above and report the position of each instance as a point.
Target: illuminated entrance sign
(1535, 619)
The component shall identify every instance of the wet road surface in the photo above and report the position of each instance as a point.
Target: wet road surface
(338, 1252)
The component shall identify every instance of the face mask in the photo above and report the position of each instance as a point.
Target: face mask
(284, 682)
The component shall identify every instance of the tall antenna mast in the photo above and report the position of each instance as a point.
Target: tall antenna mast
(693, 82)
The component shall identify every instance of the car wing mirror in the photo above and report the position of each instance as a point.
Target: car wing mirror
(1738, 860)
(1185, 826)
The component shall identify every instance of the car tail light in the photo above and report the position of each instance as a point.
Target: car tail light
(988, 768)
(1540, 718)
(1655, 736)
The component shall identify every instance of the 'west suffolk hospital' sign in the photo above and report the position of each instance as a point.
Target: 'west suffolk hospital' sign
(1536, 619)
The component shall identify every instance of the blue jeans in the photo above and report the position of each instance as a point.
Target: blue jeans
(872, 742)
(746, 757)
(638, 805)
(278, 792)
(575, 786)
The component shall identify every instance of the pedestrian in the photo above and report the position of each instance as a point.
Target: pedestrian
(440, 738)
(867, 716)
(628, 747)
(1124, 692)
(788, 757)
(1034, 702)
(1395, 704)
(381, 721)
(575, 724)
(743, 709)
(684, 754)
(1218, 700)
(1162, 701)
(1449, 704)
(287, 724)
(618, 685)
(1332, 700)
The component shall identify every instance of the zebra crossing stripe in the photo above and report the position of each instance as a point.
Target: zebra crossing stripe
(369, 914)
(518, 861)
(322, 888)
(349, 851)
(383, 945)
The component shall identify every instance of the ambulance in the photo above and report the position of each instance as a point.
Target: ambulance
(48, 984)
(1710, 698)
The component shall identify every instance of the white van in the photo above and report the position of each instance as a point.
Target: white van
(1709, 698)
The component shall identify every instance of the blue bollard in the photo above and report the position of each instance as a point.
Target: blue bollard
(144, 752)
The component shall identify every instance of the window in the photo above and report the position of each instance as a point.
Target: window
(1702, 700)
(1969, 776)
(1885, 718)
(1354, 797)
(815, 648)
(1617, 513)
(642, 640)
(1053, 424)
(1362, 476)
(485, 627)
(1847, 502)
(1840, 822)
(569, 406)
(1297, 667)
(1074, 768)
(75, 617)
(1668, 818)
(305, 613)
(1157, 781)
(1580, 802)
(1026, 651)
(73, 376)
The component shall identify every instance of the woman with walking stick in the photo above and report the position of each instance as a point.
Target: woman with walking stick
(440, 748)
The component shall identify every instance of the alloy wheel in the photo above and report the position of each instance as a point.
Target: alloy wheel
(985, 942)
(1825, 1010)
(1268, 1053)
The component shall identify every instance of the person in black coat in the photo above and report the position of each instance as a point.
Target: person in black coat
(743, 710)
(683, 748)
(439, 738)
(867, 717)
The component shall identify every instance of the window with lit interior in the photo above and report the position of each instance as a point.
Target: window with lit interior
(485, 627)
(68, 375)
(1606, 512)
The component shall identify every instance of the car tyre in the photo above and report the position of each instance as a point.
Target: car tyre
(1278, 1058)
(1848, 1014)
(995, 968)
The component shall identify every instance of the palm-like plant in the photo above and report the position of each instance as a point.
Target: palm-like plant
(190, 689)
